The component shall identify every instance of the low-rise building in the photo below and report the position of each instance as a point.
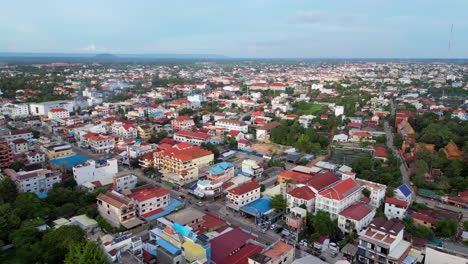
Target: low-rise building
(301, 196)
(123, 182)
(228, 125)
(20, 145)
(149, 199)
(403, 192)
(242, 195)
(116, 209)
(182, 123)
(36, 157)
(251, 168)
(355, 217)
(98, 143)
(194, 138)
(18, 133)
(58, 113)
(92, 170)
(338, 197)
(59, 151)
(36, 181)
(223, 171)
(6, 154)
(395, 208)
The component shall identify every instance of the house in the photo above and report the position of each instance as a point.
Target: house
(377, 191)
(123, 182)
(228, 125)
(37, 181)
(124, 130)
(244, 144)
(235, 134)
(18, 133)
(91, 170)
(405, 129)
(340, 138)
(122, 247)
(423, 220)
(301, 196)
(338, 197)
(380, 153)
(58, 113)
(188, 217)
(229, 244)
(35, 157)
(117, 209)
(452, 151)
(194, 138)
(382, 242)
(395, 208)
(361, 136)
(223, 171)
(20, 145)
(251, 168)
(404, 193)
(182, 123)
(144, 132)
(294, 176)
(207, 189)
(148, 199)
(296, 218)
(98, 143)
(278, 253)
(263, 132)
(59, 151)
(242, 195)
(355, 217)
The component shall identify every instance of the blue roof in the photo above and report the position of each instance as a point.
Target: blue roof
(220, 168)
(42, 195)
(183, 230)
(168, 246)
(259, 206)
(68, 162)
(193, 187)
(405, 190)
(166, 210)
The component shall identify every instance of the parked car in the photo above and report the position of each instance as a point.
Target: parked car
(278, 230)
(200, 203)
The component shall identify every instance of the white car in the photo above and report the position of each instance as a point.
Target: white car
(200, 203)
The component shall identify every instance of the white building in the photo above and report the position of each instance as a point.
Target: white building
(149, 199)
(301, 196)
(91, 170)
(339, 110)
(43, 108)
(356, 217)
(338, 197)
(228, 125)
(58, 113)
(125, 131)
(17, 110)
(15, 134)
(251, 168)
(395, 208)
(193, 138)
(243, 195)
(123, 182)
(36, 157)
(196, 100)
(37, 181)
(377, 191)
(403, 192)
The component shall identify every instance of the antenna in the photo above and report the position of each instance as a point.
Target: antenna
(450, 43)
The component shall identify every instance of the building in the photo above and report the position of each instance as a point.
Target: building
(58, 113)
(382, 242)
(36, 181)
(440, 255)
(98, 143)
(395, 208)
(223, 171)
(280, 253)
(228, 125)
(338, 197)
(452, 151)
(377, 191)
(188, 217)
(36, 157)
(123, 182)
(149, 199)
(207, 189)
(18, 110)
(42, 109)
(182, 123)
(92, 170)
(19, 133)
(296, 218)
(423, 220)
(20, 145)
(251, 168)
(195, 100)
(221, 251)
(144, 132)
(6, 154)
(116, 209)
(356, 217)
(242, 195)
(263, 132)
(339, 110)
(59, 151)
(301, 196)
(124, 130)
(404, 193)
(194, 138)
(244, 144)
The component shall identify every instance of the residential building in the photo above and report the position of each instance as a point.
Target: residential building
(42, 109)
(182, 123)
(188, 217)
(18, 110)
(36, 181)
(242, 195)
(207, 189)
(92, 170)
(123, 182)
(228, 125)
(377, 192)
(19, 133)
(20, 145)
(6, 154)
(58, 113)
(116, 209)
(194, 138)
(395, 208)
(338, 197)
(36, 157)
(144, 132)
(421, 219)
(124, 130)
(251, 168)
(98, 143)
(59, 151)
(280, 253)
(223, 171)
(355, 217)
(382, 242)
(122, 247)
(238, 243)
(301, 196)
(452, 151)
(243, 144)
(296, 218)
(149, 199)
(404, 193)
(263, 132)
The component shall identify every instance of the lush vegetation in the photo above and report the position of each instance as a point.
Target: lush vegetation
(291, 133)
(376, 170)
(304, 108)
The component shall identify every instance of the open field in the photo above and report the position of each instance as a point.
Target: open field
(267, 148)
(308, 109)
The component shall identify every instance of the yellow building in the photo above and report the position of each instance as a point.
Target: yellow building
(144, 132)
(59, 151)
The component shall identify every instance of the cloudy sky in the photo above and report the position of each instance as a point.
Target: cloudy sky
(238, 28)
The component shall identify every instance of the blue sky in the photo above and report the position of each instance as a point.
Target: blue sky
(238, 28)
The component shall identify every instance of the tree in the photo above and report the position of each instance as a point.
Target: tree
(322, 224)
(134, 163)
(446, 228)
(366, 192)
(17, 165)
(85, 253)
(140, 183)
(28, 205)
(150, 171)
(279, 202)
(8, 190)
(58, 243)
(262, 187)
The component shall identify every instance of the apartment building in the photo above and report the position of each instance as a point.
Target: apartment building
(115, 208)
(355, 217)
(98, 143)
(36, 181)
(124, 130)
(182, 123)
(17, 110)
(6, 154)
(144, 132)
(59, 151)
(148, 199)
(301, 196)
(223, 171)
(194, 138)
(338, 197)
(395, 208)
(243, 195)
(19, 133)
(20, 145)
(58, 113)
(123, 182)
(251, 168)
(377, 191)
(228, 125)
(91, 170)
(382, 242)
(39, 109)
(36, 157)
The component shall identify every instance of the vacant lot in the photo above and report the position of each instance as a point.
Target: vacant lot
(267, 148)
(307, 109)
(346, 156)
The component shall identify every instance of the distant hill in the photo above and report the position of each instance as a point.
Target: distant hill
(105, 56)
(110, 56)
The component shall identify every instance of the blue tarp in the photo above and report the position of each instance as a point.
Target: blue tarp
(42, 195)
(405, 190)
(220, 168)
(258, 207)
(68, 162)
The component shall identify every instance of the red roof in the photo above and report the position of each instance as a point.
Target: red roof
(154, 212)
(183, 118)
(357, 211)
(361, 134)
(304, 193)
(224, 245)
(380, 152)
(147, 194)
(354, 125)
(323, 180)
(242, 141)
(58, 110)
(397, 202)
(341, 190)
(192, 134)
(295, 176)
(242, 256)
(423, 217)
(233, 133)
(250, 186)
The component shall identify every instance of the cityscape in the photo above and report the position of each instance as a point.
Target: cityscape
(228, 151)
